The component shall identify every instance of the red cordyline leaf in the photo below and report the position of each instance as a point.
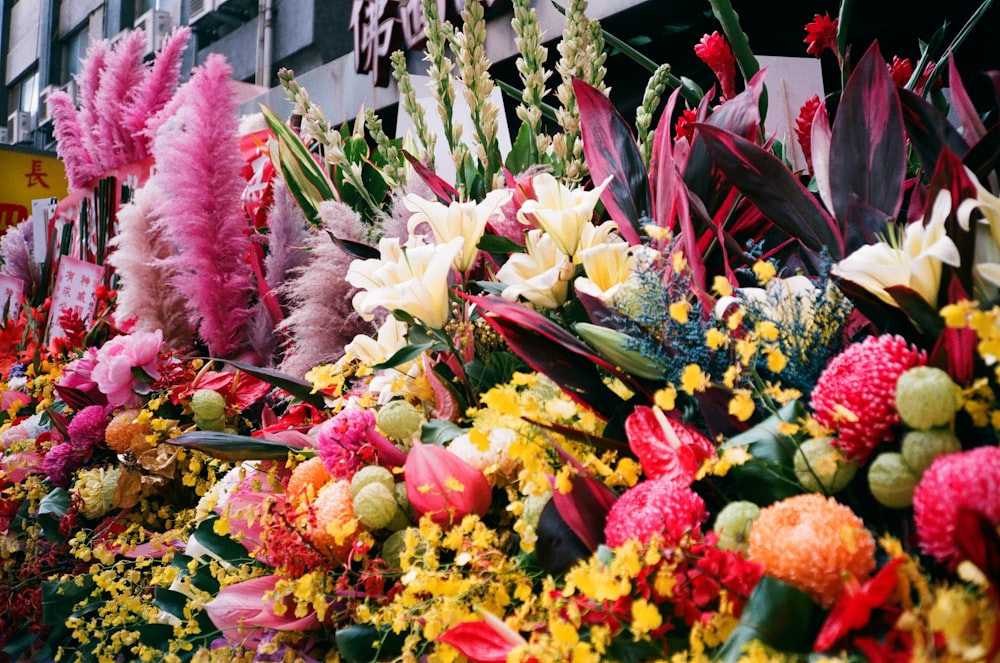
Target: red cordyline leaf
(488, 641)
(445, 192)
(929, 130)
(868, 147)
(960, 101)
(854, 607)
(610, 149)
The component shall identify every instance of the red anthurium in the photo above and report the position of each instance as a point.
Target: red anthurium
(488, 641)
(854, 607)
(666, 448)
(443, 485)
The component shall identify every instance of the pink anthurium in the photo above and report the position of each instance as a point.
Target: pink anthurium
(665, 447)
(443, 485)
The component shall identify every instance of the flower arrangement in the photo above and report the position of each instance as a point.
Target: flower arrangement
(606, 397)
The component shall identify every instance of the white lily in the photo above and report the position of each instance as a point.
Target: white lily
(458, 219)
(987, 256)
(916, 263)
(412, 278)
(541, 275)
(608, 268)
(560, 211)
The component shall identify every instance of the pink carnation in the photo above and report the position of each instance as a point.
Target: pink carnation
(855, 394)
(113, 371)
(86, 430)
(663, 507)
(60, 463)
(967, 480)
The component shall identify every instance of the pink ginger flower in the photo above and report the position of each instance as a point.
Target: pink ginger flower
(114, 371)
(441, 484)
(715, 52)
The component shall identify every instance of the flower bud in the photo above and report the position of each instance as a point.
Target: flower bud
(613, 346)
(821, 467)
(733, 525)
(926, 397)
(375, 505)
(399, 420)
(921, 447)
(208, 405)
(891, 480)
(372, 474)
(443, 485)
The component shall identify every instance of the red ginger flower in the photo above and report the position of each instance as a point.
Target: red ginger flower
(821, 34)
(855, 394)
(715, 52)
(813, 543)
(968, 480)
(661, 506)
(803, 127)
(683, 128)
(900, 70)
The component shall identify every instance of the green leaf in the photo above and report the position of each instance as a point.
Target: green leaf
(404, 354)
(59, 598)
(524, 152)
(769, 476)
(778, 615)
(295, 387)
(308, 183)
(498, 244)
(230, 447)
(223, 546)
(362, 643)
(51, 510)
(157, 636)
(19, 641)
(439, 431)
(170, 601)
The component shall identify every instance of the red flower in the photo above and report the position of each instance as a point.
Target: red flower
(667, 449)
(855, 394)
(654, 507)
(715, 52)
(900, 70)
(803, 127)
(440, 483)
(683, 128)
(968, 480)
(854, 607)
(821, 34)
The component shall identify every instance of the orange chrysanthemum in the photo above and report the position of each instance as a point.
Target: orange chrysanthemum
(332, 525)
(124, 433)
(813, 543)
(305, 481)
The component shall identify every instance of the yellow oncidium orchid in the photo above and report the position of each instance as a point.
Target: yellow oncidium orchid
(458, 219)
(916, 262)
(560, 211)
(412, 278)
(541, 275)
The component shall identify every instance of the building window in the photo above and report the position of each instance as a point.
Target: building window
(74, 49)
(23, 94)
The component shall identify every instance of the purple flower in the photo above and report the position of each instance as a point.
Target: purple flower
(117, 360)
(349, 440)
(60, 463)
(86, 430)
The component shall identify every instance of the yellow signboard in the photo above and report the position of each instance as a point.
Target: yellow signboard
(27, 175)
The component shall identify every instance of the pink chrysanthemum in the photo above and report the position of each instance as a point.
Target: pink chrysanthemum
(86, 430)
(965, 480)
(856, 392)
(349, 440)
(60, 463)
(662, 507)
(715, 52)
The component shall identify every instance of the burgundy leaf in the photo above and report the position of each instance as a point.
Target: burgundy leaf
(552, 351)
(864, 224)
(949, 174)
(445, 192)
(867, 150)
(776, 192)
(960, 101)
(585, 508)
(610, 149)
(984, 155)
(977, 538)
(929, 130)
(76, 398)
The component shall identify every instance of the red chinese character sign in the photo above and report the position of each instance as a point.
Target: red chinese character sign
(74, 293)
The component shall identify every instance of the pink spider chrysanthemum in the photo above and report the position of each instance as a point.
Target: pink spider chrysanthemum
(855, 395)
(965, 480)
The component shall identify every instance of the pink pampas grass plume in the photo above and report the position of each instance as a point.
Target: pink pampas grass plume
(89, 80)
(198, 157)
(156, 90)
(286, 238)
(123, 74)
(139, 253)
(323, 320)
(71, 145)
(16, 257)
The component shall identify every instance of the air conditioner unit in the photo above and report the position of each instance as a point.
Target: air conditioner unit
(19, 127)
(72, 89)
(156, 24)
(3, 135)
(200, 9)
(44, 116)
